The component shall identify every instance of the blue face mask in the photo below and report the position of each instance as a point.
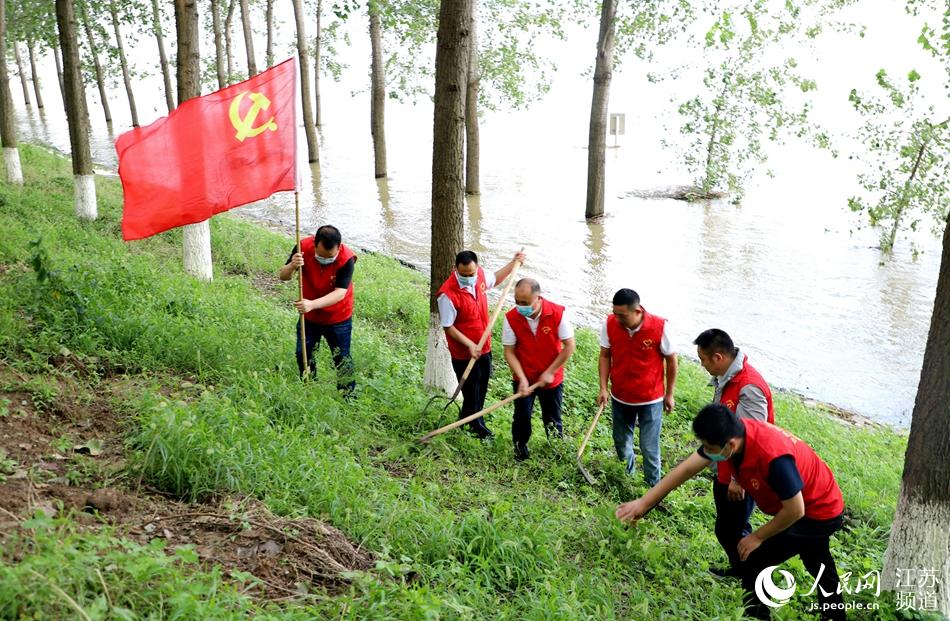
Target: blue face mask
(526, 311)
(466, 281)
(719, 456)
(325, 260)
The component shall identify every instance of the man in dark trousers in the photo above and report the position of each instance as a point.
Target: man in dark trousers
(637, 358)
(538, 339)
(327, 304)
(786, 479)
(742, 389)
(463, 311)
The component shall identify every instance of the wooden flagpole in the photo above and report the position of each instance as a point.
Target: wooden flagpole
(303, 330)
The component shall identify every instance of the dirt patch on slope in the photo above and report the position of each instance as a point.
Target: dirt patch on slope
(70, 458)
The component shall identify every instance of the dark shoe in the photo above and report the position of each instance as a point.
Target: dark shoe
(521, 451)
(482, 433)
(723, 573)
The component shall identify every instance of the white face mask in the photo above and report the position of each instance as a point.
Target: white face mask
(325, 260)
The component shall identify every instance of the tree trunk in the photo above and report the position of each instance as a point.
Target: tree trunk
(162, 57)
(11, 156)
(597, 140)
(317, 116)
(248, 39)
(706, 187)
(76, 113)
(471, 111)
(229, 55)
(269, 18)
(196, 237)
(100, 78)
(23, 82)
(218, 47)
(125, 65)
(920, 535)
(33, 74)
(59, 75)
(313, 149)
(378, 88)
(888, 243)
(451, 76)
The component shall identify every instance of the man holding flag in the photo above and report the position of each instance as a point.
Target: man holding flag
(327, 304)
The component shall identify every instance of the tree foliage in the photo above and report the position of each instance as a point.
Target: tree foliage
(907, 169)
(752, 93)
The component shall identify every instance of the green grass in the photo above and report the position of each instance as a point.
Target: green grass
(462, 532)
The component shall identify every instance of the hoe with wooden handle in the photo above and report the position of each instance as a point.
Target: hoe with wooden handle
(580, 451)
(472, 417)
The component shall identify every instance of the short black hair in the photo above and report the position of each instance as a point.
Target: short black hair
(715, 340)
(465, 257)
(626, 297)
(716, 424)
(531, 282)
(328, 236)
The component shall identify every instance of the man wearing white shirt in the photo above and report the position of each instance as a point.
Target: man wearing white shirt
(538, 339)
(635, 351)
(463, 311)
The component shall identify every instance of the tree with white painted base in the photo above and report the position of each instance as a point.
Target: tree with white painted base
(920, 535)
(196, 237)
(448, 193)
(11, 157)
(76, 112)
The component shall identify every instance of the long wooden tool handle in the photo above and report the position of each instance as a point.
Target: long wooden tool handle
(303, 330)
(472, 417)
(590, 430)
(500, 305)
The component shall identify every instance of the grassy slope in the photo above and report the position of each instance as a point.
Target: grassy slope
(463, 531)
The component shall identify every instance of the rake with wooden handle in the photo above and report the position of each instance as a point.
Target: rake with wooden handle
(580, 451)
(477, 414)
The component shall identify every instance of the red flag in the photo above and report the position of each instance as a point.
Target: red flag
(212, 153)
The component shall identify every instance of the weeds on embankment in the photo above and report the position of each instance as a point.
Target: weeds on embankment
(459, 530)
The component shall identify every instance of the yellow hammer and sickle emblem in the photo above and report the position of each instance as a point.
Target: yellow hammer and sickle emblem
(245, 125)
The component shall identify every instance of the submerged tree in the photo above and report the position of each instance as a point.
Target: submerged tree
(748, 97)
(313, 148)
(21, 72)
(248, 38)
(909, 168)
(92, 41)
(119, 13)
(636, 27)
(216, 34)
(162, 56)
(597, 136)
(377, 90)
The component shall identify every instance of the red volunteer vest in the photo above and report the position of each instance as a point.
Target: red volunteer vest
(636, 364)
(537, 351)
(765, 442)
(472, 314)
(319, 280)
(748, 375)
